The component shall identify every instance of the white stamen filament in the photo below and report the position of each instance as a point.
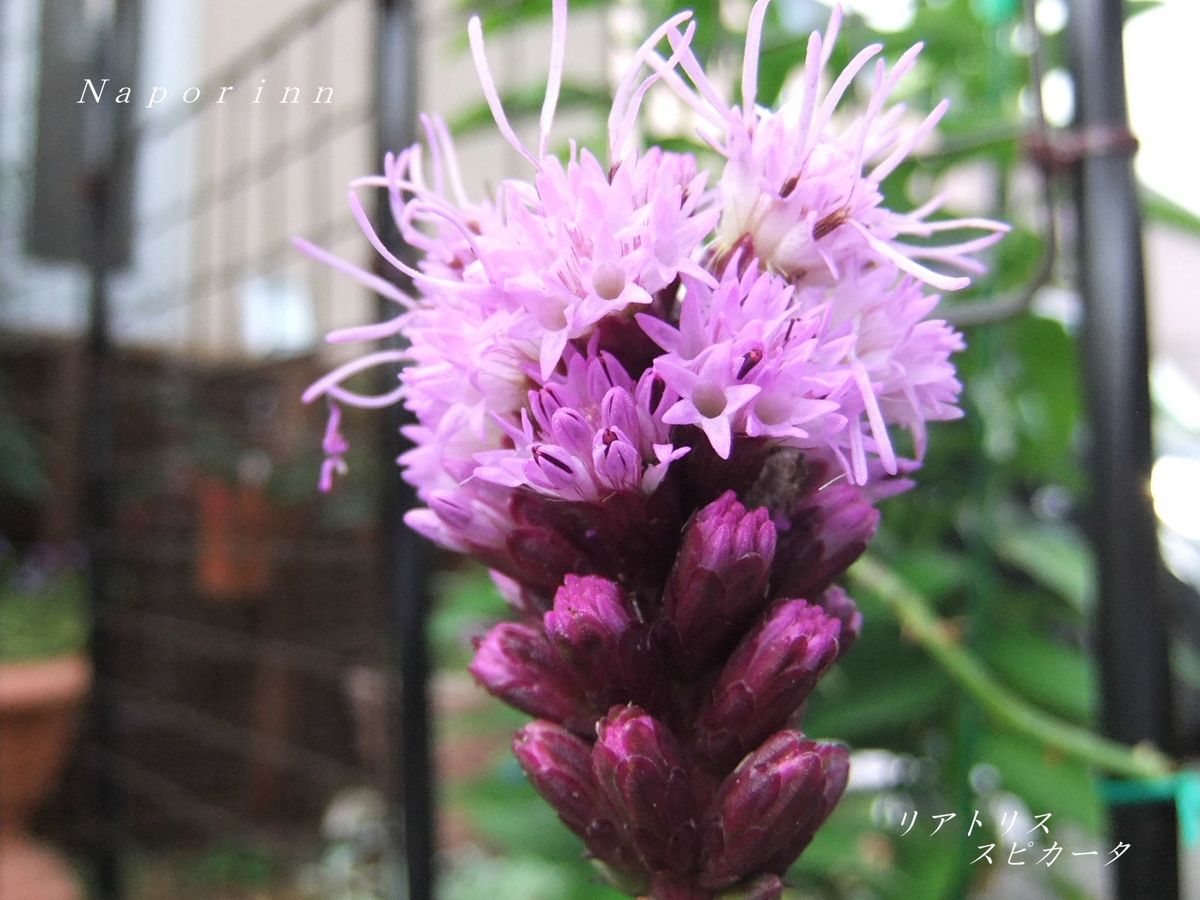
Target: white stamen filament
(558, 49)
(618, 140)
(750, 59)
(367, 279)
(625, 88)
(902, 262)
(883, 444)
(488, 83)
(332, 379)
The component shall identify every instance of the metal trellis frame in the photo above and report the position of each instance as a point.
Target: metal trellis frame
(409, 557)
(1131, 616)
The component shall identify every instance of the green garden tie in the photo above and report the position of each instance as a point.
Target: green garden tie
(1182, 788)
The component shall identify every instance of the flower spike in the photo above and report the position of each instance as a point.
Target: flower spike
(660, 404)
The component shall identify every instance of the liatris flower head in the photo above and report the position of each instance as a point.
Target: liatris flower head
(660, 403)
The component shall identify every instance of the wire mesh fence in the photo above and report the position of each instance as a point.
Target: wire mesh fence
(241, 649)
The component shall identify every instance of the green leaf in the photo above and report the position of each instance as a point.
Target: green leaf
(870, 709)
(996, 12)
(1133, 8)
(499, 16)
(518, 878)
(1054, 556)
(41, 622)
(1048, 783)
(1059, 678)
(933, 570)
(509, 816)
(850, 853)
(1164, 211)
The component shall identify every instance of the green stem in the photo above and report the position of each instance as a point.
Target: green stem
(923, 626)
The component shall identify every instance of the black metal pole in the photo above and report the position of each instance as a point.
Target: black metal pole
(106, 166)
(409, 558)
(98, 498)
(1131, 628)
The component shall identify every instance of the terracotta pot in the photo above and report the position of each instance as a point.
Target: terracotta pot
(29, 870)
(233, 542)
(39, 705)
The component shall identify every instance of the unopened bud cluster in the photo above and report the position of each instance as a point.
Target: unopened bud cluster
(667, 699)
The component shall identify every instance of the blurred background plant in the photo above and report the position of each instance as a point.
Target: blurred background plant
(22, 477)
(43, 606)
(43, 603)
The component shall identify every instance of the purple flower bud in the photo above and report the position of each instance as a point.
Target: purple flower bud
(601, 642)
(539, 558)
(559, 765)
(769, 808)
(617, 462)
(628, 538)
(516, 663)
(640, 768)
(619, 411)
(769, 675)
(552, 469)
(719, 578)
(826, 528)
(838, 604)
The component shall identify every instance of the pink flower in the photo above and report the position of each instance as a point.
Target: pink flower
(660, 407)
(775, 304)
(711, 395)
(335, 447)
(802, 190)
(587, 434)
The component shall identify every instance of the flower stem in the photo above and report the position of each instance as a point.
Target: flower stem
(922, 625)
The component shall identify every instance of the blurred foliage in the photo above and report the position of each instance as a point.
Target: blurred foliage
(228, 869)
(43, 602)
(989, 536)
(23, 473)
(230, 866)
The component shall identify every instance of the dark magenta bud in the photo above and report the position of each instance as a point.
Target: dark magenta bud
(823, 522)
(516, 663)
(559, 765)
(589, 617)
(719, 580)
(827, 527)
(838, 604)
(769, 808)
(602, 643)
(638, 765)
(772, 672)
(629, 537)
(537, 558)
